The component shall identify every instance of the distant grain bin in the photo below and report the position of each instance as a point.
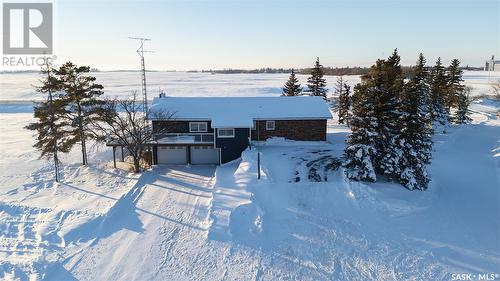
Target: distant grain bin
(492, 64)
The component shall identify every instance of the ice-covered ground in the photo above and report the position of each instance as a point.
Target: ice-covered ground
(300, 221)
(16, 87)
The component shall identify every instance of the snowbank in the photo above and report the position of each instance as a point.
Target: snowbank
(230, 192)
(279, 141)
(345, 230)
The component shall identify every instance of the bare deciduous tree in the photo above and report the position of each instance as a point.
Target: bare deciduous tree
(495, 89)
(124, 123)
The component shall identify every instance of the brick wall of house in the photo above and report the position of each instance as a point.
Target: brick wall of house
(303, 130)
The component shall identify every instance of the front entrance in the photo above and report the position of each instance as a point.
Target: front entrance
(204, 155)
(172, 155)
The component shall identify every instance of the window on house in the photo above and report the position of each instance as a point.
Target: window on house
(254, 125)
(270, 125)
(225, 133)
(197, 126)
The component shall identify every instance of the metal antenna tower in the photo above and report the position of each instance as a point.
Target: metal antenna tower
(141, 52)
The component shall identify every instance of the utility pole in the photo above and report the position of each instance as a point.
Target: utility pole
(141, 52)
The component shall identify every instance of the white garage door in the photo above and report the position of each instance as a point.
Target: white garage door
(172, 155)
(204, 155)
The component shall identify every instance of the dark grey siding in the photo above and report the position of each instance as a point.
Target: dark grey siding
(155, 154)
(231, 148)
(173, 126)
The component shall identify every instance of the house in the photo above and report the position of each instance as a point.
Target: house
(215, 130)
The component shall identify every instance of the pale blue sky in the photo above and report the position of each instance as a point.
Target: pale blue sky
(251, 34)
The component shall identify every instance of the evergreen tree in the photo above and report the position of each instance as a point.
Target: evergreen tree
(81, 95)
(416, 130)
(344, 104)
(462, 113)
(454, 85)
(316, 83)
(338, 89)
(292, 86)
(360, 152)
(439, 112)
(50, 127)
(386, 82)
(339, 86)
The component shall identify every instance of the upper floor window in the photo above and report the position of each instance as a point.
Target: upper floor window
(198, 126)
(270, 125)
(225, 133)
(254, 126)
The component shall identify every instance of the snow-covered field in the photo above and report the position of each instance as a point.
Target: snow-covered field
(299, 222)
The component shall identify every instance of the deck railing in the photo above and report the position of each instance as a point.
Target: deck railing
(186, 137)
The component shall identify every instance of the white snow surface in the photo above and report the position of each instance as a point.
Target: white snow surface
(17, 86)
(239, 112)
(221, 223)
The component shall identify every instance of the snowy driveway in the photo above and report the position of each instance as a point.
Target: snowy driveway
(159, 224)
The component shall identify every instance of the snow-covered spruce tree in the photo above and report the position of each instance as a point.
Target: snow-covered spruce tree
(360, 152)
(454, 86)
(463, 102)
(344, 104)
(386, 81)
(316, 83)
(49, 126)
(416, 130)
(439, 113)
(292, 86)
(81, 95)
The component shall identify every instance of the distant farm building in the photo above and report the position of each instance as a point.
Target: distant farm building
(492, 64)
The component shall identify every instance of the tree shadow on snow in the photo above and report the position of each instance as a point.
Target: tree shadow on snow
(122, 215)
(55, 271)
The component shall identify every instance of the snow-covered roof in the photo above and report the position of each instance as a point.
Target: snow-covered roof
(239, 112)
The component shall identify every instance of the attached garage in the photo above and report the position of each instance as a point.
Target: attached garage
(172, 155)
(204, 155)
